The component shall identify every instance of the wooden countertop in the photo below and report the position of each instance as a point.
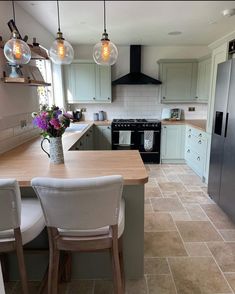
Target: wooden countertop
(96, 122)
(196, 123)
(28, 160)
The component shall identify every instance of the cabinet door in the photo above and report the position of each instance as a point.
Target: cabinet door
(103, 83)
(102, 137)
(70, 83)
(203, 81)
(179, 81)
(173, 142)
(85, 81)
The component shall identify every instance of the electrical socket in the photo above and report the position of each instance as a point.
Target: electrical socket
(83, 109)
(23, 123)
(191, 109)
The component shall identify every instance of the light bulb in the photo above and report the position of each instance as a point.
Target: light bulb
(17, 51)
(61, 52)
(105, 52)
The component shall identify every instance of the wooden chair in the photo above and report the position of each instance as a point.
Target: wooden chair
(20, 222)
(83, 215)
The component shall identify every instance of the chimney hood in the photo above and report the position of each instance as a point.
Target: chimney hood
(135, 77)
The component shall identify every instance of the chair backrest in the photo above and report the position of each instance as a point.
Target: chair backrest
(10, 204)
(80, 204)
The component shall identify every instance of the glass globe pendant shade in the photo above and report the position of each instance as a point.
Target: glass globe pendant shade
(61, 52)
(17, 51)
(105, 52)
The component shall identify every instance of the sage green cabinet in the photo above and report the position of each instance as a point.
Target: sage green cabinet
(87, 82)
(102, 137)
(179, 80)
(203, 80)
(172, 143)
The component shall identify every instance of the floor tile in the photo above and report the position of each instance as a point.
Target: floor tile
(160, 284)
(151, 192)
(224, 253)
(194, 197)
(218, 217)
(228, 235)
(156, 266)
(230, 277)
(151, 183)
(197, 249)
(197, 231)
(136, 286)
(103, 287)
(157, 222)
(170, 194)
(180, 216)
(166, 204)
(148, 206)
(81, 287)
(197, 275)
(163, 244)
(171, 186)
(191, 180)
(196, 213)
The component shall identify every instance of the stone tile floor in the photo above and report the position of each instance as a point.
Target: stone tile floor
(189, 241)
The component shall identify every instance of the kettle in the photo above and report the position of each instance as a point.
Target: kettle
(77, 114)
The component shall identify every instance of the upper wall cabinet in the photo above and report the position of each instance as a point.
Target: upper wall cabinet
(203, 80)
(179, 80)
(87, 82)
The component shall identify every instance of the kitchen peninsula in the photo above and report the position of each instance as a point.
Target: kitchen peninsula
(28, 160)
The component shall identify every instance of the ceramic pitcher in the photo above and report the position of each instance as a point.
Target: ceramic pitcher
(56, 154)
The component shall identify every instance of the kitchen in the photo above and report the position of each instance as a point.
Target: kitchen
(183, 236)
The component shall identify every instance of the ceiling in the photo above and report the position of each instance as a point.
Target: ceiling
(136, 22)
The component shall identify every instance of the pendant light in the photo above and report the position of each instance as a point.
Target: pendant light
(105, 52)
(61, 52)
(16, 50)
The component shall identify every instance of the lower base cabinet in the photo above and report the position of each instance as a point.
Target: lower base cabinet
(195, 150)
(102, 138)
(172, 143)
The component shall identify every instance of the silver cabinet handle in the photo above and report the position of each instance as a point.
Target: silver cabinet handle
(190, 130)
(93, 98)
(189, 136)
(198, 158)
(108, 127)
(109, 98)
(200, 135)
(188, 151)
(200, 142)
(163, 97)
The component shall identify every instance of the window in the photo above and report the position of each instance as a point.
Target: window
(45, 93)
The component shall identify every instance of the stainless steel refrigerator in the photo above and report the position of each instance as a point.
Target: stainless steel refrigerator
(221, 183)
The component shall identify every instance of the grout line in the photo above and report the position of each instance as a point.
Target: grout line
(171, 275)
(220, 269)
(146, 282)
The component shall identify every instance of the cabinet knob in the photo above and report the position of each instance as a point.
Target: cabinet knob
(164, 127)
(80, 143)
(199, 142)
(188, 151)
(163, 97)
(196, 97)
(200, 135)
(93, 98)
(190, 130)
(109, 98)
(109, 127)
(198, 158)
(87, 135)
(189, 136)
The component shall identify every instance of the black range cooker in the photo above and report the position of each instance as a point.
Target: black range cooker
(138, 132)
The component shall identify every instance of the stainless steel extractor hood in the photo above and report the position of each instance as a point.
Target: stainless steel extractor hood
(135, 77)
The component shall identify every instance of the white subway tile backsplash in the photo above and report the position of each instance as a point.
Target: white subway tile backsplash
(139, 101)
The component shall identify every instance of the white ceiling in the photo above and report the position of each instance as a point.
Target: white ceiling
(136, 22)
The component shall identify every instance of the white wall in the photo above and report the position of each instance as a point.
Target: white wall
(141, 101)
(17, 102)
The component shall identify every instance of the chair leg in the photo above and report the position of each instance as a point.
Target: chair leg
(54, 260)
(118, 287)
(67, 266)
(21, 262)
(120, 247)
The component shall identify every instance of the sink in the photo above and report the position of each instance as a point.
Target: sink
(73, 128)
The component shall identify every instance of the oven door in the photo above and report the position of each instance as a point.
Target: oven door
(156, 142)
(117, 146)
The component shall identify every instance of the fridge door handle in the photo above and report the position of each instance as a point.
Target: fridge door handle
(226, 125)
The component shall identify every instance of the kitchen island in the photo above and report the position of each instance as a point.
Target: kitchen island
(28, 160)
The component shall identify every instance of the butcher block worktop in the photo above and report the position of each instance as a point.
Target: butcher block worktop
(28, 160)
(196, 123)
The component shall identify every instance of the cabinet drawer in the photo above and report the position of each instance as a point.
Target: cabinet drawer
(195, 160)
(196, 133)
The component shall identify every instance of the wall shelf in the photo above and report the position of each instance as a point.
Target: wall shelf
(24, 81)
